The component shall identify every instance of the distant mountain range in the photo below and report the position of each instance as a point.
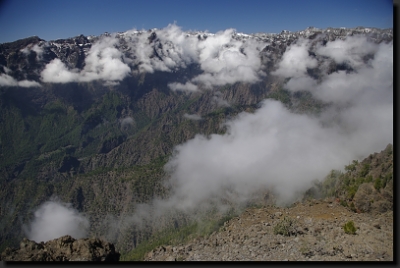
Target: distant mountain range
(25, 59)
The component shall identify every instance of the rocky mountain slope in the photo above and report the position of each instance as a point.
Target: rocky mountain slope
(93, 120)
(315, 230)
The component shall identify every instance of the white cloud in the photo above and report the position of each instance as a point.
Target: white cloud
(8, 81)
(175, 48)
(102, 62)
(178, 48)
(54, 219)
(36, 48)
(274, 148)
(221, 58)
(296, 60)
(57, 72)
(127, 121)
(301, 83)
(271, 148)
(192, 116)
(28, 83)
(376, 76)
(219, 101)
(188, 87)
(351, 51)
(225, 60)
(39, 51)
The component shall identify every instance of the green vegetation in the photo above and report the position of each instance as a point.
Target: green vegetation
(286, 227)
(350, 185)
(352, 207)
(349, 228)
(165, 237)
(364, 170)
(351, 167)
(60, 129)
(330, 182)
(281, 95)
(176, 236)
(344, 186)
(306, 103)
(378, 184)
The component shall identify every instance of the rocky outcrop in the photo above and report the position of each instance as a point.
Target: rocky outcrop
(64, 248)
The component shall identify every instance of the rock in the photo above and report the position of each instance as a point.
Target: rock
(278, 214)
(64, 248)
(170, 258)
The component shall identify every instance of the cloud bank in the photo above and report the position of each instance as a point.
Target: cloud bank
(54, 219)
(221, 57)
(277, 149)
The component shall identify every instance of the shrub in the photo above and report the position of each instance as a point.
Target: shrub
(364, 170)
(351, 167)
(343, 203)
(286, 227)
(349, 228)
(352, 191)
(352, 207)
(369, 178)
(378, 184)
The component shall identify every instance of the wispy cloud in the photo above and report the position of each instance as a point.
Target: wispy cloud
(8, 81)
(192, 116)
(188, 87)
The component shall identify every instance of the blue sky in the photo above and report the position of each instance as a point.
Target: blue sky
(54, 19)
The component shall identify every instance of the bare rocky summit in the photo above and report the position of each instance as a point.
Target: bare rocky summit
(64, 248)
